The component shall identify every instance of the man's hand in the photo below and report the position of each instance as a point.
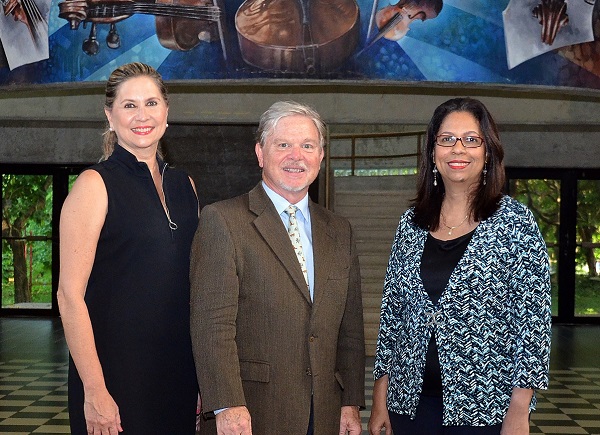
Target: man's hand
(350, 421)
(234, 421)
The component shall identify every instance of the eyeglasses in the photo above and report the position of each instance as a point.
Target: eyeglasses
(448, 140)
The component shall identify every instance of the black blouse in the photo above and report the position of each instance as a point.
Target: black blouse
(439, 260)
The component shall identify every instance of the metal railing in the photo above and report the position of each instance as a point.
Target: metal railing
(353, 157)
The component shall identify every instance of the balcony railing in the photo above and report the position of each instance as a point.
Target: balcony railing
(371, 155)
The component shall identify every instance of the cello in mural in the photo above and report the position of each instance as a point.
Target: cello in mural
(180, 24)
(297, 36)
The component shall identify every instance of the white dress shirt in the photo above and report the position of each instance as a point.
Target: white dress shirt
(303, 218)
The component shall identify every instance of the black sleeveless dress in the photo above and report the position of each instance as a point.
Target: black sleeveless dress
(138, 297)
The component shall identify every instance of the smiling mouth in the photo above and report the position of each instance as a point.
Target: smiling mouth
(294, 170)
(458, 165)
(142, 130)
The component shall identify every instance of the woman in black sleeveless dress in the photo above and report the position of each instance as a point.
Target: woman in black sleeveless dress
(126, 230)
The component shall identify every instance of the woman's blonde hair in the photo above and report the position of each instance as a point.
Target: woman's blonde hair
(116, 79)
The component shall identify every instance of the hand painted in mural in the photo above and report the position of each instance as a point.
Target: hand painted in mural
(396, 19)
(552, 15)
(180, 24)
(298, 36)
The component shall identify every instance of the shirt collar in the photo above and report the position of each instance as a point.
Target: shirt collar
(127, 159)
(281, 203)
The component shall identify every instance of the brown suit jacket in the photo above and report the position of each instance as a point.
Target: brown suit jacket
(258, 339)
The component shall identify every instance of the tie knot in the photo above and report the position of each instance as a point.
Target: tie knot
(291, 210)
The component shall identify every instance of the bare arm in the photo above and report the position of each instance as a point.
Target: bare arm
(82, 218)
(380, 418)
(196, 192)
(516, 421)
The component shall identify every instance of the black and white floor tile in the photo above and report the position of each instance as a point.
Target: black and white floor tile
(33, 390)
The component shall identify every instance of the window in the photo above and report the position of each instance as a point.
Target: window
(542, 197)
(566, 204)
(31, 200)
(587, 253)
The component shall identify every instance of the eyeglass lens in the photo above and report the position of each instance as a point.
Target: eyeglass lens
(447, 140)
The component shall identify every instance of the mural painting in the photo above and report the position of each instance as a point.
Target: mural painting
(533, 42)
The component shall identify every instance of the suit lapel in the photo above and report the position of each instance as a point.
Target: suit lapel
(323, 252)
(269, 225)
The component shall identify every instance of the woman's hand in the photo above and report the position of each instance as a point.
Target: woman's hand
(380, 418)
(516, 420)
(101, 413)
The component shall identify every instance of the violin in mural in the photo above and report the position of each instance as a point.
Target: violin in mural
(180, 24)
(297, 36)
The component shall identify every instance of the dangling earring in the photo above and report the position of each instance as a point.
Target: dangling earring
(435, 172)
(485, 174)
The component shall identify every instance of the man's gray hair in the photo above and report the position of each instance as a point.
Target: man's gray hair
(282, 109)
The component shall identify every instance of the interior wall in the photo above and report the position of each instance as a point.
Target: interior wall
(212, 125)
(219, 158)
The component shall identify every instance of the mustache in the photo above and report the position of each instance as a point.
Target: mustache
(295, 165)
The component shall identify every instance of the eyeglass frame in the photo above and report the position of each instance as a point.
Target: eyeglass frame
(458, 138)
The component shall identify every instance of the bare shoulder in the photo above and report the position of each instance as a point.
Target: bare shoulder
(88, 199)
(193, 185)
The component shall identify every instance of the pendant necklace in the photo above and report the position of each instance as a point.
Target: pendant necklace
(454, 227)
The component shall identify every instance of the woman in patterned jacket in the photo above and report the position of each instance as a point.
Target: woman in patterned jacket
(464, 338)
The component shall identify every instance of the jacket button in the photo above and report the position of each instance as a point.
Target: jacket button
(312, 338)
(308, 372)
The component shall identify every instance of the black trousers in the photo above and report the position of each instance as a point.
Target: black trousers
(429, 422)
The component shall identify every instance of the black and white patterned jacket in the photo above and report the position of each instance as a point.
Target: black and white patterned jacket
(492, 323)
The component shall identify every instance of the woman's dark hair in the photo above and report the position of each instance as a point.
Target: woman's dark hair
(485, 198)
(116, 79)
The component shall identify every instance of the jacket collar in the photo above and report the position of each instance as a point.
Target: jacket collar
(268, 224)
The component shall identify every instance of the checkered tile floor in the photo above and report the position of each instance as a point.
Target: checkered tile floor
(33, 400)
(570, 406)
(33, 397)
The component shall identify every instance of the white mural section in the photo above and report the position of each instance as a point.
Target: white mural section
(24, 31)
(534, 27)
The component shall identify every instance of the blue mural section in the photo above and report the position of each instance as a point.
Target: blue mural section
(464, 43)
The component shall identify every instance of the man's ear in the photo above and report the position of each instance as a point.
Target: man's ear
(259, 153)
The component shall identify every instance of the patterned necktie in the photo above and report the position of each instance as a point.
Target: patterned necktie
(294, 233)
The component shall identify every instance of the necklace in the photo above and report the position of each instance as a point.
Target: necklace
(454, 227)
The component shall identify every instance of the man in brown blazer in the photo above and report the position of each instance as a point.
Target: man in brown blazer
(277, 323)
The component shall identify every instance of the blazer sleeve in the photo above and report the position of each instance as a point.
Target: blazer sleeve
(530, 294)
(351, 341)
(214, 305)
